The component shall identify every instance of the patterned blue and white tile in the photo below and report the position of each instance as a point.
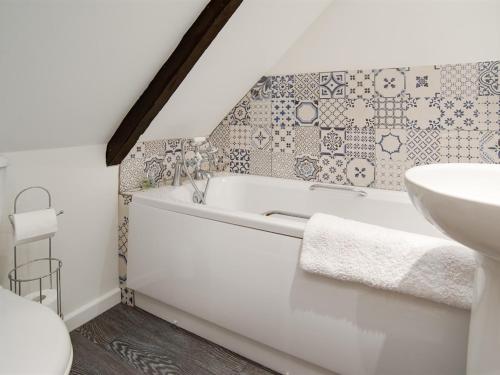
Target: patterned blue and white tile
(240, 136)
(123, 232)
(171, 158)
(333, 141)
(283, 140)
(260, 113)
(306, 86)
(462, 114)
(332, 112)
(155, 148)
(459, 80)
(123, 236)
(360, 143)
(262, 89)
(307, 140)
(360, 172)
(489, 112)
(333, 85)
(282, 86)
(306, 113)
(489, 78)
(390, 174)
(222, 160)
(137, 151)
(390, 144)
(261, 138)
(127, 297)
(360, 113)
(220, 136)
(173, 145)
(261, 163)
(423, 81)
(131, 174)
(459, 146)
(307, 167)
(282, 112)
(283, 165)
(389, 83)
(423, 146)
(360, 84)
(239, 161)
(154, 169)
(333, 169)
(489, 146)
(240, 114)
(390, 112)
(424, 112)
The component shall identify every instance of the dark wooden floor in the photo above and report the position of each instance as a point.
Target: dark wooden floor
(126, 340)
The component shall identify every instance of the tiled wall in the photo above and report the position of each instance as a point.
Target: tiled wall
(364, 127)
(127, 295)
(360, 127)
(153, 160)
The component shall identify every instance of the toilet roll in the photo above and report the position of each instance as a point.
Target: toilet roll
(49, 298)
(34, 225)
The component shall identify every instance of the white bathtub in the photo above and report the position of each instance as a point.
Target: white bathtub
(229, 273)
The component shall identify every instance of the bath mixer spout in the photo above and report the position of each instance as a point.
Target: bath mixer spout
(204, 152)
(196, 197)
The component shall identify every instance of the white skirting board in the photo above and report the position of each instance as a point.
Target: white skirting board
(92, 309)
(250, 349)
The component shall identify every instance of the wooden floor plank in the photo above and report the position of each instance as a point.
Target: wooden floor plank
(91, 359)
(126, 340)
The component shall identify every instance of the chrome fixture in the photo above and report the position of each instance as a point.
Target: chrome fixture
(54, 265)
(360, 192)
(286, 213)
(176, 180)
(204, 152)
(208, 176)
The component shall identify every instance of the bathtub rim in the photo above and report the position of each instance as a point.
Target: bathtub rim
(162, 198)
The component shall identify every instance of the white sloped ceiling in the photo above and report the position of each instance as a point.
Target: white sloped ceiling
(254, 39)
(71, 70)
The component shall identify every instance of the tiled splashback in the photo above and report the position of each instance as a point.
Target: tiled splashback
(360, 127)
(364, 127)
(154, 160)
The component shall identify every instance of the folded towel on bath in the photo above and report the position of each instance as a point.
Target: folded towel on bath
(432, 268)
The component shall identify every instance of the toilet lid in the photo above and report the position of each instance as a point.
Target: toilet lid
(33, 339)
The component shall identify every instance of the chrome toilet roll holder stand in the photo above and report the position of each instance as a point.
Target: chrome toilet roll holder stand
(37, 270)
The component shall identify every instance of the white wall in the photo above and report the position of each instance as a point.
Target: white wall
(253, 40)
(71, 70)
(86, 190)
(354, 34)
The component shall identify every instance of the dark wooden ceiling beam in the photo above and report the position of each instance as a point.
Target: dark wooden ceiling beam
(197, 39)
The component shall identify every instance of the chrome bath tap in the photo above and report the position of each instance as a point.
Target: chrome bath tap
(204, 152)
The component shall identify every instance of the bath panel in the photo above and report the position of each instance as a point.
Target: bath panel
(231, 266)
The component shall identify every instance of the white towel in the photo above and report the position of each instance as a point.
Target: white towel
(34, 226)
(435, 269)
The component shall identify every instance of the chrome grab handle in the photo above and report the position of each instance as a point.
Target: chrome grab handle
(286, 213)
(360, 192)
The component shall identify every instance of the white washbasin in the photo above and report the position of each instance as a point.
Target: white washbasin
(463, 200)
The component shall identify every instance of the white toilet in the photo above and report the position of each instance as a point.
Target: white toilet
(33, 339)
